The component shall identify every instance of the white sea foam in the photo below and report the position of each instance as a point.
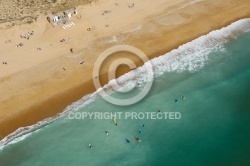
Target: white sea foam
(189, 57)
(23, 132)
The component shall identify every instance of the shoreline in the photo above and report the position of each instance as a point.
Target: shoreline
(73, 88)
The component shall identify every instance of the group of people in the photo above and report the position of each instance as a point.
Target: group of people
(131, 6)
(116, 4)
(136, 137)
(5, 63)
(27, 35)
(19, 45)
(7, 41)
(64, 39)
(106, 12)
(182, 97)
(139, 130)
(126, 139)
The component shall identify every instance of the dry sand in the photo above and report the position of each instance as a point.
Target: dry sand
(16, 12)
(34, 85)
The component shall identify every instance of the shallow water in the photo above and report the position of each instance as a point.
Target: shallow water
(213, 130)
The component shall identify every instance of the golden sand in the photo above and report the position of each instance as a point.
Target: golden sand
(34, 84)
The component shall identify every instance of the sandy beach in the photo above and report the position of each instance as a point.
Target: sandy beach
(37, 84)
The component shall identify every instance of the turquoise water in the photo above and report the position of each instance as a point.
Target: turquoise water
(214, 128)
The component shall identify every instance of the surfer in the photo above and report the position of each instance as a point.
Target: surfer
(127, 140)
(142, 125)
(107, 133)
(115, 121)
(140, 131)
(137, 139)
(90, 146)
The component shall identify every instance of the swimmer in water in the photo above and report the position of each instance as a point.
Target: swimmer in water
(175, 100)
(107, 133)
(140, 131)
(142, 125)
(90, 146)
(137, 139)
(183, 97)
(127, 140)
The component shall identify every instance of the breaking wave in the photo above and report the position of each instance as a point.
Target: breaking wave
(190, 57)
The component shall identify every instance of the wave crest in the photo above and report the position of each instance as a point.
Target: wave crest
(189, 57)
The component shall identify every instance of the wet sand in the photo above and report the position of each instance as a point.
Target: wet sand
(34, 85)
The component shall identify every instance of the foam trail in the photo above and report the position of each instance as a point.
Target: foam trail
(189, 57)
(23, 132)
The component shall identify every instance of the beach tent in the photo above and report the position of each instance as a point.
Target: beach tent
(57, 19)
(53, 18)
(69, 13)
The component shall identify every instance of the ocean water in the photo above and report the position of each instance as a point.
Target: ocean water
(214, 128)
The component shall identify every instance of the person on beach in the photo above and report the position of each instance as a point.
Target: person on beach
(90, 146)
(71, 50)
(8, 41)
(131, 6)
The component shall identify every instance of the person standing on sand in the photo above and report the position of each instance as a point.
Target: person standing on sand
(71, 50)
